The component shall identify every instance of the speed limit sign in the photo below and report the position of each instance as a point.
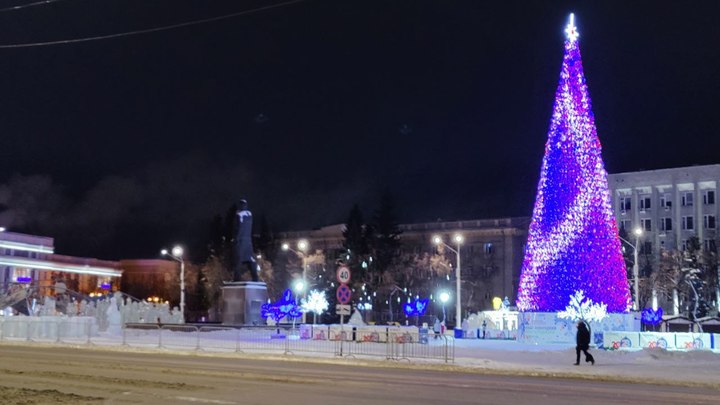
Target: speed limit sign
(343, 275)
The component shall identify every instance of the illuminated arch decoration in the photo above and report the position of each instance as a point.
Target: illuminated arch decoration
(573, 239)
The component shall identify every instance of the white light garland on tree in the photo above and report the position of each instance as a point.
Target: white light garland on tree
(581, 308)
(315, 302)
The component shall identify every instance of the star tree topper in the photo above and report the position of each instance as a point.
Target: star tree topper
(571, 30)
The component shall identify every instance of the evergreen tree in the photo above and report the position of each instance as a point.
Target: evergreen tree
(354, 233)
(385, 233)
(355, 244)
(384, 243)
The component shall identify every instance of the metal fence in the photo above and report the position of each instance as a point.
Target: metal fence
(390, 343)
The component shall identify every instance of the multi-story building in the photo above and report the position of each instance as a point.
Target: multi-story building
(31, 259)
(491, 253)
(669, 205)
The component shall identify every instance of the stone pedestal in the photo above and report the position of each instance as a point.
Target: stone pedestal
(241, 302)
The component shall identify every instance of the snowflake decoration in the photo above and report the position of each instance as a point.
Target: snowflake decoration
(652, 316)
(417, 307)
(581, 308)
(315, 302)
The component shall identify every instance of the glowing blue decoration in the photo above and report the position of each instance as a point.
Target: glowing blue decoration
(105, 286)
(573, 239)
(417, 307)
(284, 307)
(652, 316)
(24, 279)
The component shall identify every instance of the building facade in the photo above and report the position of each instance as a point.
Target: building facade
(491, 253)
(29, 259)
(669, 205)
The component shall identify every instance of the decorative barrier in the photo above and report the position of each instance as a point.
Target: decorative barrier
(390, 342)
(659, 340)
(48, 328)
(547, 327)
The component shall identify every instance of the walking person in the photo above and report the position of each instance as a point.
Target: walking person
(436, 328)
(583, 343)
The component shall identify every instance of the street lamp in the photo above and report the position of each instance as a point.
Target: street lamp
(636, 268)
(177, 255)
(458, 239)
(444, 297)
(299, 287)
(302, 247)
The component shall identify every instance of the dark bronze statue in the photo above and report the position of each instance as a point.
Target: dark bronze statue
(243, 249)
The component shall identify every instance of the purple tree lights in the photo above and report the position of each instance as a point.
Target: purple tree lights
(573, 238)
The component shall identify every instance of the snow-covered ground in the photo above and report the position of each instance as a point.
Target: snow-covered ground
(699, 367)
(649, 365)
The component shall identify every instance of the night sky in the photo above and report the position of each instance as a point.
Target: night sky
(121, 146)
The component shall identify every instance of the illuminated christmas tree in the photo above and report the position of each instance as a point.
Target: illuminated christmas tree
(573, 239)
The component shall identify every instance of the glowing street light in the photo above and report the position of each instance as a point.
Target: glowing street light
(458, 239)
(177, 255)
(299, 287)
(444, 297)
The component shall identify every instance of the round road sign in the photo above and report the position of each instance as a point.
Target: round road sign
(343, 274)
(343, 294)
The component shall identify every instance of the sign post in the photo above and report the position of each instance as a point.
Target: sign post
(343, 295)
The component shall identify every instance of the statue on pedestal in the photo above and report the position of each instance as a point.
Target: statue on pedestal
(244, 255)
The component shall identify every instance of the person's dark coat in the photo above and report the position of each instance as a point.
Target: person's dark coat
(583, 336)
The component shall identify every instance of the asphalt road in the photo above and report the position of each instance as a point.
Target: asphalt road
(44, 375)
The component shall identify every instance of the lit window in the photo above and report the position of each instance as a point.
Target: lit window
(488, 248)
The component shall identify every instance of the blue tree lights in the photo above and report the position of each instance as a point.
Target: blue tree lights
(573, 238)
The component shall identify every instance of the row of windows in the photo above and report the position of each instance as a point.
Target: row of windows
(666, 224)
(19, 253)
(708, 245)
(686, 200)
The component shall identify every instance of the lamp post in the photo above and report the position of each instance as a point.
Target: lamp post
(636, 267)
(444, 297)
(177, 255)
(302, 247)
(459, 239)
(299, 287)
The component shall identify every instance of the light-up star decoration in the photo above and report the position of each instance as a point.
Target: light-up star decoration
(573, 239)
(284, 307)
(416, 308)
(571, 30)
